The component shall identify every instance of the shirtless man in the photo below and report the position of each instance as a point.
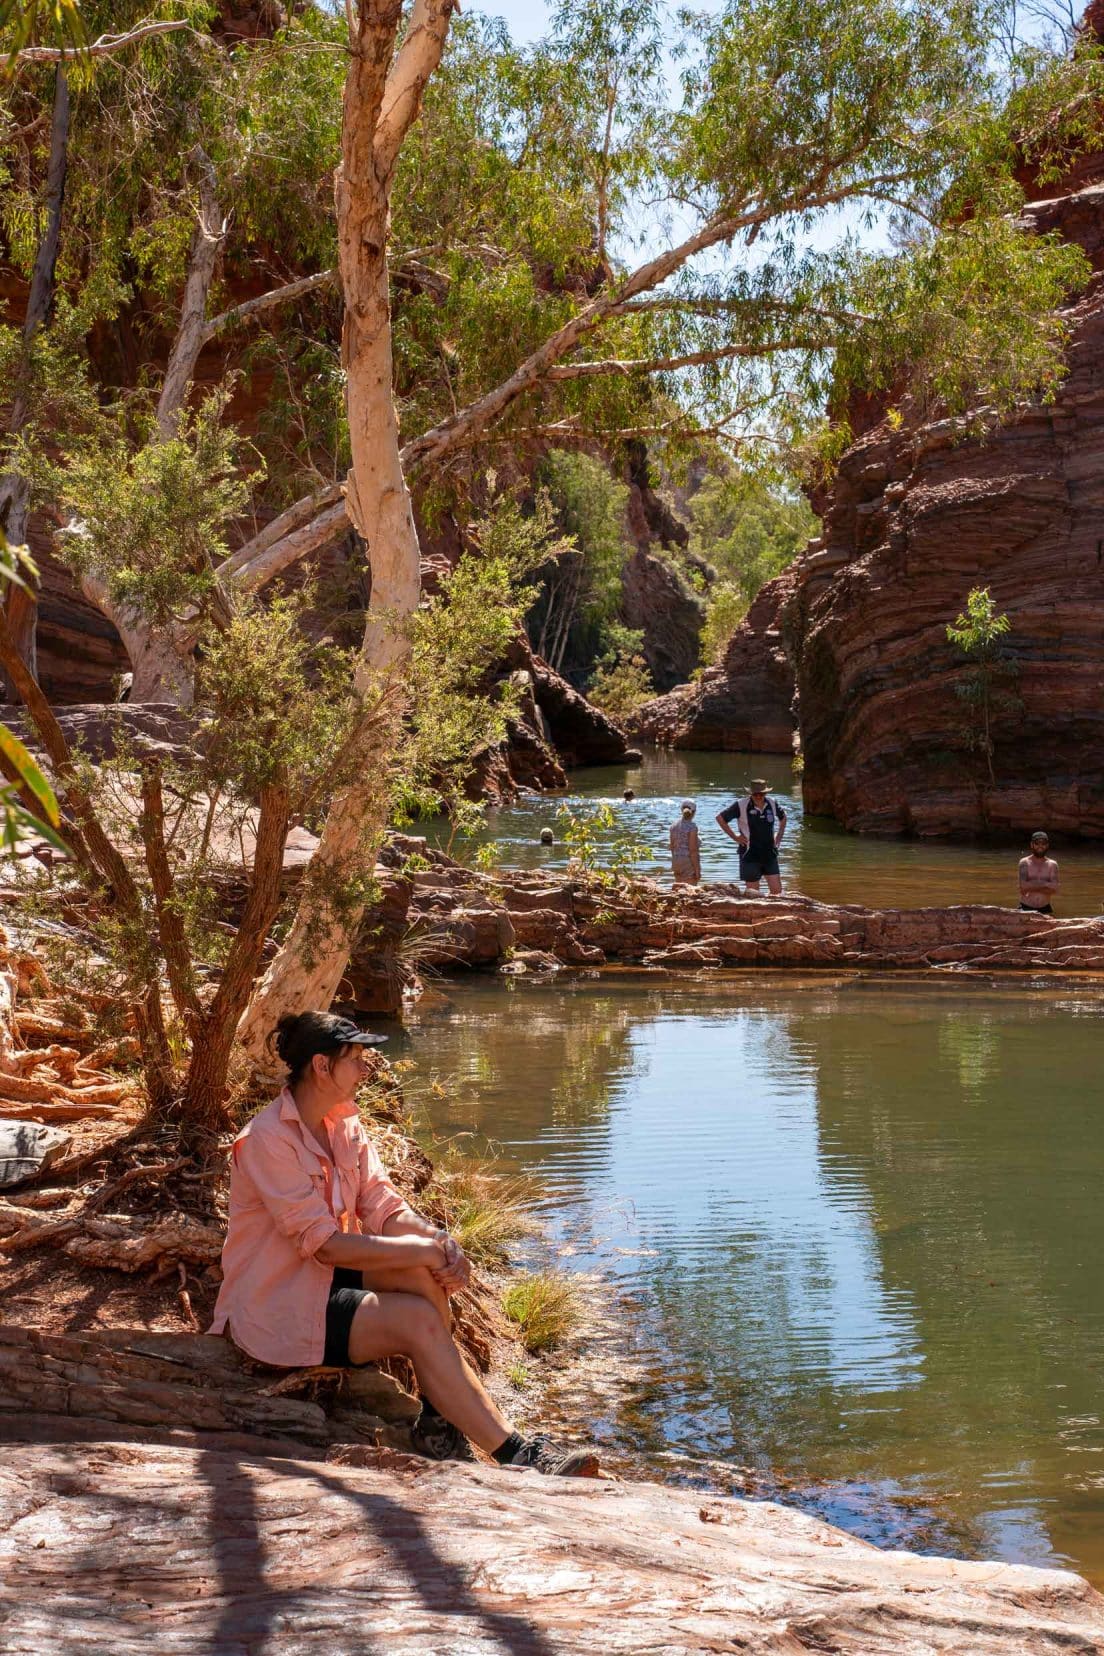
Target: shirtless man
(1038, 877)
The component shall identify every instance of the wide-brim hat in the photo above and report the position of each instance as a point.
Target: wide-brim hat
(757, 785)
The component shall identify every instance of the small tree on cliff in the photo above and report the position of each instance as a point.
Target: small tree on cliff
(985, 686)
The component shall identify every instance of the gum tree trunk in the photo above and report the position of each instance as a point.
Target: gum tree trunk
(383, 96)
(21, 602)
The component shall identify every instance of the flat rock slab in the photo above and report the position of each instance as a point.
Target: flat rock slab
(27, 1147)
(117, 1548)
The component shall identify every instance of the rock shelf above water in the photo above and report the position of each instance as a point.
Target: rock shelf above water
(453, 919)
(127, 1547)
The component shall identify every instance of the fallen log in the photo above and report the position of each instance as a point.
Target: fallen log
(179, 1549)
(35, 1232)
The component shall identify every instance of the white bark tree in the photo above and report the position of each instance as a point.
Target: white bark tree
(383, 95)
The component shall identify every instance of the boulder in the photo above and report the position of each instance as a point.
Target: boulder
(103, 729)
(28, 1147)
(580, 732)
(126, 1547)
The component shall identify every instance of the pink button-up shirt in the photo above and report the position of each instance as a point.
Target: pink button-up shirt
(286, 1199)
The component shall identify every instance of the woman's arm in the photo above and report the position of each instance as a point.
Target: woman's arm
(695, 853)
(363, 1253)
(456, 1271)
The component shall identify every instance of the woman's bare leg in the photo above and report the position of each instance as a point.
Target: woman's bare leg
(407, 1325)
(420, 1281)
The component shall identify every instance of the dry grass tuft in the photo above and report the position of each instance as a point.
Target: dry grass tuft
(546, 1309)
(488, 1212)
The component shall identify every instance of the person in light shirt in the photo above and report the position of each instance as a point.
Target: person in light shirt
(324, 1262)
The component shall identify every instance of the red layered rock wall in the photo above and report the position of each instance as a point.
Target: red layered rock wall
(913, 520)
(746, 704)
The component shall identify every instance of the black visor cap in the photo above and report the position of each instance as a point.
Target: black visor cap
(346, 1033)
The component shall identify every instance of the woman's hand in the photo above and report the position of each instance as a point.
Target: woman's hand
(456, 1271)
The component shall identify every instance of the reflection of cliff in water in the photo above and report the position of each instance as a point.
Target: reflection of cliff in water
(528, 1068)
(768, 1276)
(859, 1219)
(973, 1124)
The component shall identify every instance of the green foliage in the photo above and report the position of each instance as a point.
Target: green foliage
(277, 705)
(459, 637)
(42, 22)
(986, 685)
(24, 778)
(487, 1213)
(16, 820)
(621, 682)
(591, 833)
(150, 519)
(582, 590)
(973, 312)
(726, 607)
(749, 527)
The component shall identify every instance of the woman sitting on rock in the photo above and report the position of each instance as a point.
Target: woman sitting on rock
(325, 1263)
(686, 847)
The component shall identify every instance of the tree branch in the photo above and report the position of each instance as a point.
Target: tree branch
(302, 512)
(105, 44)
(418, 57)
(279, 555)
(692, 359)
(190, 336)
(250, 308)
(174, 941)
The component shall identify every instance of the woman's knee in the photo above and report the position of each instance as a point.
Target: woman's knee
(395, 1324)
(425, 1285)
(420, 1323)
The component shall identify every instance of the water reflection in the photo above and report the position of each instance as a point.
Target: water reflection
(817, 857)
(860, 1219)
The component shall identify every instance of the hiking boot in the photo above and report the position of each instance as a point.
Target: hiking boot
(553, 1460)
(438, 1439)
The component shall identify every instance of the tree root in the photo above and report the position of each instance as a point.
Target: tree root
(39, 1233)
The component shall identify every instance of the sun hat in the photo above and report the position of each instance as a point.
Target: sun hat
(757, 785)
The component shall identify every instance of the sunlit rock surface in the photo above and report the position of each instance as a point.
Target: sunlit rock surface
(447, 918)
(126, 1547)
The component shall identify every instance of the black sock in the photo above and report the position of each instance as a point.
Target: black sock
(506, 1451)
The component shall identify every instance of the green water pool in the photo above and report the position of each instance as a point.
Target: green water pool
(860, 1219)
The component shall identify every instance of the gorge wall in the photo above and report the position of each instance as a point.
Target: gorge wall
(745, 705)
(912, 521)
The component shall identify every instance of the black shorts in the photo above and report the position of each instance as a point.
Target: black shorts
(1029, 908)
(346, 1292)
(754, 868)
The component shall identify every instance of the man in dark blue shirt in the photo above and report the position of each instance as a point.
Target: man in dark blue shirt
(760, 824)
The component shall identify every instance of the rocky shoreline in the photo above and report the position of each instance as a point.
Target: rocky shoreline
(187, 1545)
(434, 914)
